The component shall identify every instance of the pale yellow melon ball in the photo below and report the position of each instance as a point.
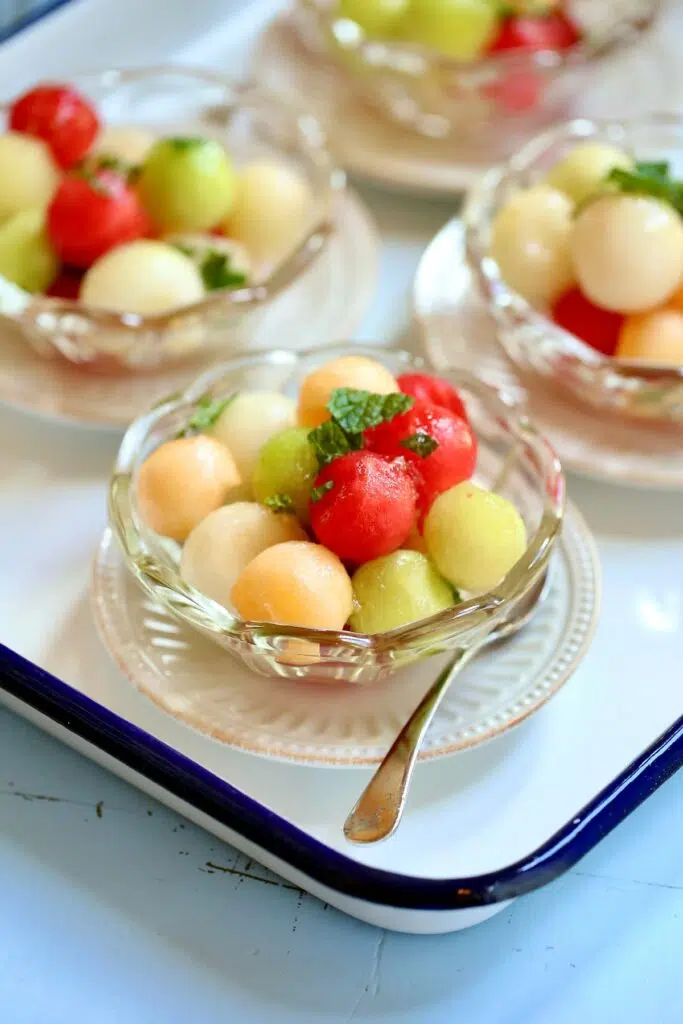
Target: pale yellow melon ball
(126, 143)
(584, 171)
(295, 584)
(271, 212)
(530, 243)
(628, 252)
(181, 482)
(28, 174)
(145, 277)
(346, 372)
(474, 537)
(222, 545)
(251, 419)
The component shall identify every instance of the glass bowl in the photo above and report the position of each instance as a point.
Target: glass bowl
(513, 456)
(529, 337)
(251, 123)
(488, 106)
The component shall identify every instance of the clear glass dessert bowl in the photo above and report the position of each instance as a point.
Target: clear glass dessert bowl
(489, 106)
(251, 123)
(514, 459)
(530, 338)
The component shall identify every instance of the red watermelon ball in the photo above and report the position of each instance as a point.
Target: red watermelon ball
(368, 511)
(599, 328)
(452, 461)
(435, 390)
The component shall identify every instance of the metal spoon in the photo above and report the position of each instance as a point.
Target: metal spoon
(377, 814)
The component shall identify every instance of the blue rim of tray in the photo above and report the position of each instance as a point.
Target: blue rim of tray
(30, 17)
(188, 781)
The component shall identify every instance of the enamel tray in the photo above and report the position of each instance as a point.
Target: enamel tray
(484, 827)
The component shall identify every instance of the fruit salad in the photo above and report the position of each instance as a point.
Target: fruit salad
(598, 246)
(350, 507)
(129, 222)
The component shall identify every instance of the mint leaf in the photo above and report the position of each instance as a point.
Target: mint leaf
(330, 441)
(207, 412)
(355, 410)
(649, 179)
(318, 492)
(279, 503)
(217, 272)
(421, 443)
(182, 143)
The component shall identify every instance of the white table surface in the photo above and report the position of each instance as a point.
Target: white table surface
(112, 909)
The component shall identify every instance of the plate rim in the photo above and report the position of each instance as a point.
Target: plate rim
(578, 465)
(575, 646)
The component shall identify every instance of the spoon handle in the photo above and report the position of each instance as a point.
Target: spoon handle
(379, 809)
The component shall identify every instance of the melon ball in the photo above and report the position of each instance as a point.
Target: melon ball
(182, 481)
(28, 174)
(584, 171)
(530, 243)
(144, 277)
(396, 590)
(221, 546)
(474, 537)
(347, 372)
(628, 252)
(655, 337)
(296, 584)
(251, 419)
(286, 467)
(272, 209)
(126, 143)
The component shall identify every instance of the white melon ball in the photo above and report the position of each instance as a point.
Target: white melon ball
(628, 252)
(584, 171)
(530, 243)
(126, 143)
(251, 419)
(145, 277)
(222, 545)
(28, 175)
(272, 210)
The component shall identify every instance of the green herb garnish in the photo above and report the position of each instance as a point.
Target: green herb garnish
(421, 443)
(356, 411)
(207, 413)
(318, 492)
(279, 503)
(217, 272)
(649, 179)
(330, 441)
(182, 143)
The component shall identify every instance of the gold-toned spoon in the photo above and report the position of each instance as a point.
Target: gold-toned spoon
(378, 813)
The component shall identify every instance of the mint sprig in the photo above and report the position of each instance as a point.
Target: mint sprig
(318, 492)
(208, 411)
(330, 441)
(649, 179)
(420, 443)
(217, 272)
(280, 503)
(355, 410)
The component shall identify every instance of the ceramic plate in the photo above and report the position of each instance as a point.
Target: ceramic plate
(200, 684)
(459, 331)
(325, 305)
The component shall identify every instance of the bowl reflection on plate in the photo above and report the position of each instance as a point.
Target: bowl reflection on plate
(530, 338)
(513, 457)
(252, 123)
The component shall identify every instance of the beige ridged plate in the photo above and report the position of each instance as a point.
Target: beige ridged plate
(324, 306)
(458, 331)
(339, 726)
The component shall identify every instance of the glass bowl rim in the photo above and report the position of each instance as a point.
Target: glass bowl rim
(244, 92)
(546, 61)
(475, 613)
(486, 268)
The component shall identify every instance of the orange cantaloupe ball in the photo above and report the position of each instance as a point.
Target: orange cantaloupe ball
(183, 481)
(655, 337)
(347, 372)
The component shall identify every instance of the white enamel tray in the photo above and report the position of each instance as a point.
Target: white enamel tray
(483, 827)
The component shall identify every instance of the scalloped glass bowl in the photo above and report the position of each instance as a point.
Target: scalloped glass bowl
(529, 337)
(251, 123)
(489, 106)
(513, 457)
